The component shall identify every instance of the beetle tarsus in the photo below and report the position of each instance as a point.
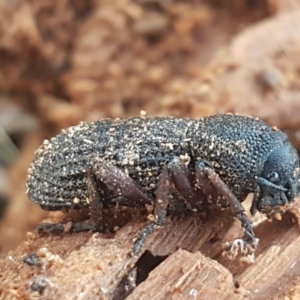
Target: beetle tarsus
(61, 227)
(246, 248)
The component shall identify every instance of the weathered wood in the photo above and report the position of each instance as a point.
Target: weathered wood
(95, 266)
(185, 275)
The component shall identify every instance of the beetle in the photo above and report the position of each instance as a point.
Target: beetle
(139, 161)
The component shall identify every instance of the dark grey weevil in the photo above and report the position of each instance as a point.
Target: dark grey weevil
(140, 160)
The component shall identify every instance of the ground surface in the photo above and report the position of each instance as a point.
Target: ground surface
(90, 266)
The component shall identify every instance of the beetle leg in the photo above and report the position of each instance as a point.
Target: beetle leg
(253, 209)
(79, 226)
(184, 182)
(119, 182)
(95, 201)
(60, 227)
(182, 179)
(115, 180)
(203, 169)
(160, 210)
(177, 173)
(103, 175)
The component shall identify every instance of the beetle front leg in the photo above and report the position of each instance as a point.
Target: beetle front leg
(203, 169)
(254, 209)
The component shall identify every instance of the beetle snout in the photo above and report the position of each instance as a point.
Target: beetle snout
(272, 200)
(272, 203)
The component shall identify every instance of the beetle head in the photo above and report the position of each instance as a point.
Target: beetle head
(278, 183)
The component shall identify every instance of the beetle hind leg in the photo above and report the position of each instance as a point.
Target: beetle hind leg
(102, 178)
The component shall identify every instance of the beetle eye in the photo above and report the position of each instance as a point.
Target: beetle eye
(273, 177)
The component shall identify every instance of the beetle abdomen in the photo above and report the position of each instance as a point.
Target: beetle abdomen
(138, 146)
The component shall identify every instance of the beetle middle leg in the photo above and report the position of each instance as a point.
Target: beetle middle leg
(176, 173)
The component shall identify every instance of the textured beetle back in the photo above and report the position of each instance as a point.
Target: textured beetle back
(236, 146)
(138, 146)
(56, 175)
